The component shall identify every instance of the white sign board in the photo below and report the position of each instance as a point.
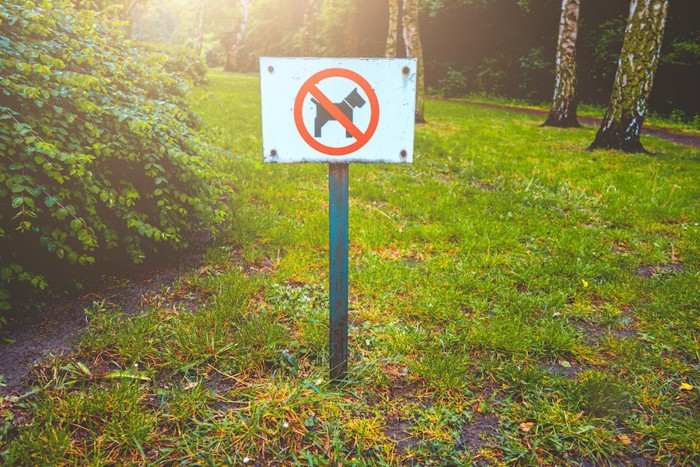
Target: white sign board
(338, 110)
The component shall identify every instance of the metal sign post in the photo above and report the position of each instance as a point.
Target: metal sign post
(338, 111)
(338, 267)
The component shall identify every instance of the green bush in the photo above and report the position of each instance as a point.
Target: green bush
(215, 56)
(455, 84)
(180, 61)
(101, 158)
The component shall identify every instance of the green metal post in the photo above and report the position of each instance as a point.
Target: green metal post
(338, 227)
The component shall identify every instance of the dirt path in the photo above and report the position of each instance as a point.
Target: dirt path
(51, 329)
(663, 133)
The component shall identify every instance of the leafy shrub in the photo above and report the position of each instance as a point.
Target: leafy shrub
(454, 84)
(100, 156)
(180, 61)
(215, 55)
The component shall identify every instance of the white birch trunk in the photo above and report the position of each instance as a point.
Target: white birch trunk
(232, 56)
(564, 102)
(414, 49)
(634, 78)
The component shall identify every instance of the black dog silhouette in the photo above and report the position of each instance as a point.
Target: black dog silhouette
(354, 99)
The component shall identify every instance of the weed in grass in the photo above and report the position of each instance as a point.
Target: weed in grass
(671, 439)
(307, 305)
(261, 337)
(405, 338)
(114, 419)
(528, 380)
(182, 403)
(513, 334)
(45, 445)
(443, 373)
(600, 395)
(438, 428)
(364, 436)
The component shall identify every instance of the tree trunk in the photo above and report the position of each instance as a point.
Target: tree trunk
(414, 49)
(127, 15)
(232, 56)
(563, 111)
(634, 78)
(130, 8)
(392, 38)
(308, 38)
(352, 34)
(200, 28)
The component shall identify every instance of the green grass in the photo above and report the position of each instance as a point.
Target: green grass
(513, 298)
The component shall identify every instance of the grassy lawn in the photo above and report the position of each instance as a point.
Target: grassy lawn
(675, 125)
(513, 298)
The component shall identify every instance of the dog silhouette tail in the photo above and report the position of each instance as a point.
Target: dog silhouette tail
(314, 101)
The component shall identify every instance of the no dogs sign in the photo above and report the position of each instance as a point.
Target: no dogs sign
(338, 110)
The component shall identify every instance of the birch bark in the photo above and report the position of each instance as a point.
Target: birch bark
(232, 56)
(392, 38)
(634, 78)
(414, 49)
(564, 102)
(200, 28)
(308, 38)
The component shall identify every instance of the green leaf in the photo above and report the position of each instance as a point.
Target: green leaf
(50, 201)
(127, 375)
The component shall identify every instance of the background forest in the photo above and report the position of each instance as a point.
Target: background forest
(498, 47)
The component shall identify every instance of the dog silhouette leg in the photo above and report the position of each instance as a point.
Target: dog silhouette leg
(348, 113)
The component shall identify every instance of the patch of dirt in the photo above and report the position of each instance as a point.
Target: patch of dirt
(558, 369)
(648, 270)
(50, 330)
(636, 460)
(624, 333)
(399, 431)
(484, 186)
(408, 392)
(593, 332)
(679, 138)
(481, 432)
(490, 390)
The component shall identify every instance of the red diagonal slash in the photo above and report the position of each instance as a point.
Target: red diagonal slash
(336, 113)
(309, 87)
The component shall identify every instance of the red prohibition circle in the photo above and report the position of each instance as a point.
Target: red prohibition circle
(309, 87)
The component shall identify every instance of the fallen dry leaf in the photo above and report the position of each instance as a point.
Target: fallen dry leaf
(526, 426)
(686, 387)
(624, 439)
